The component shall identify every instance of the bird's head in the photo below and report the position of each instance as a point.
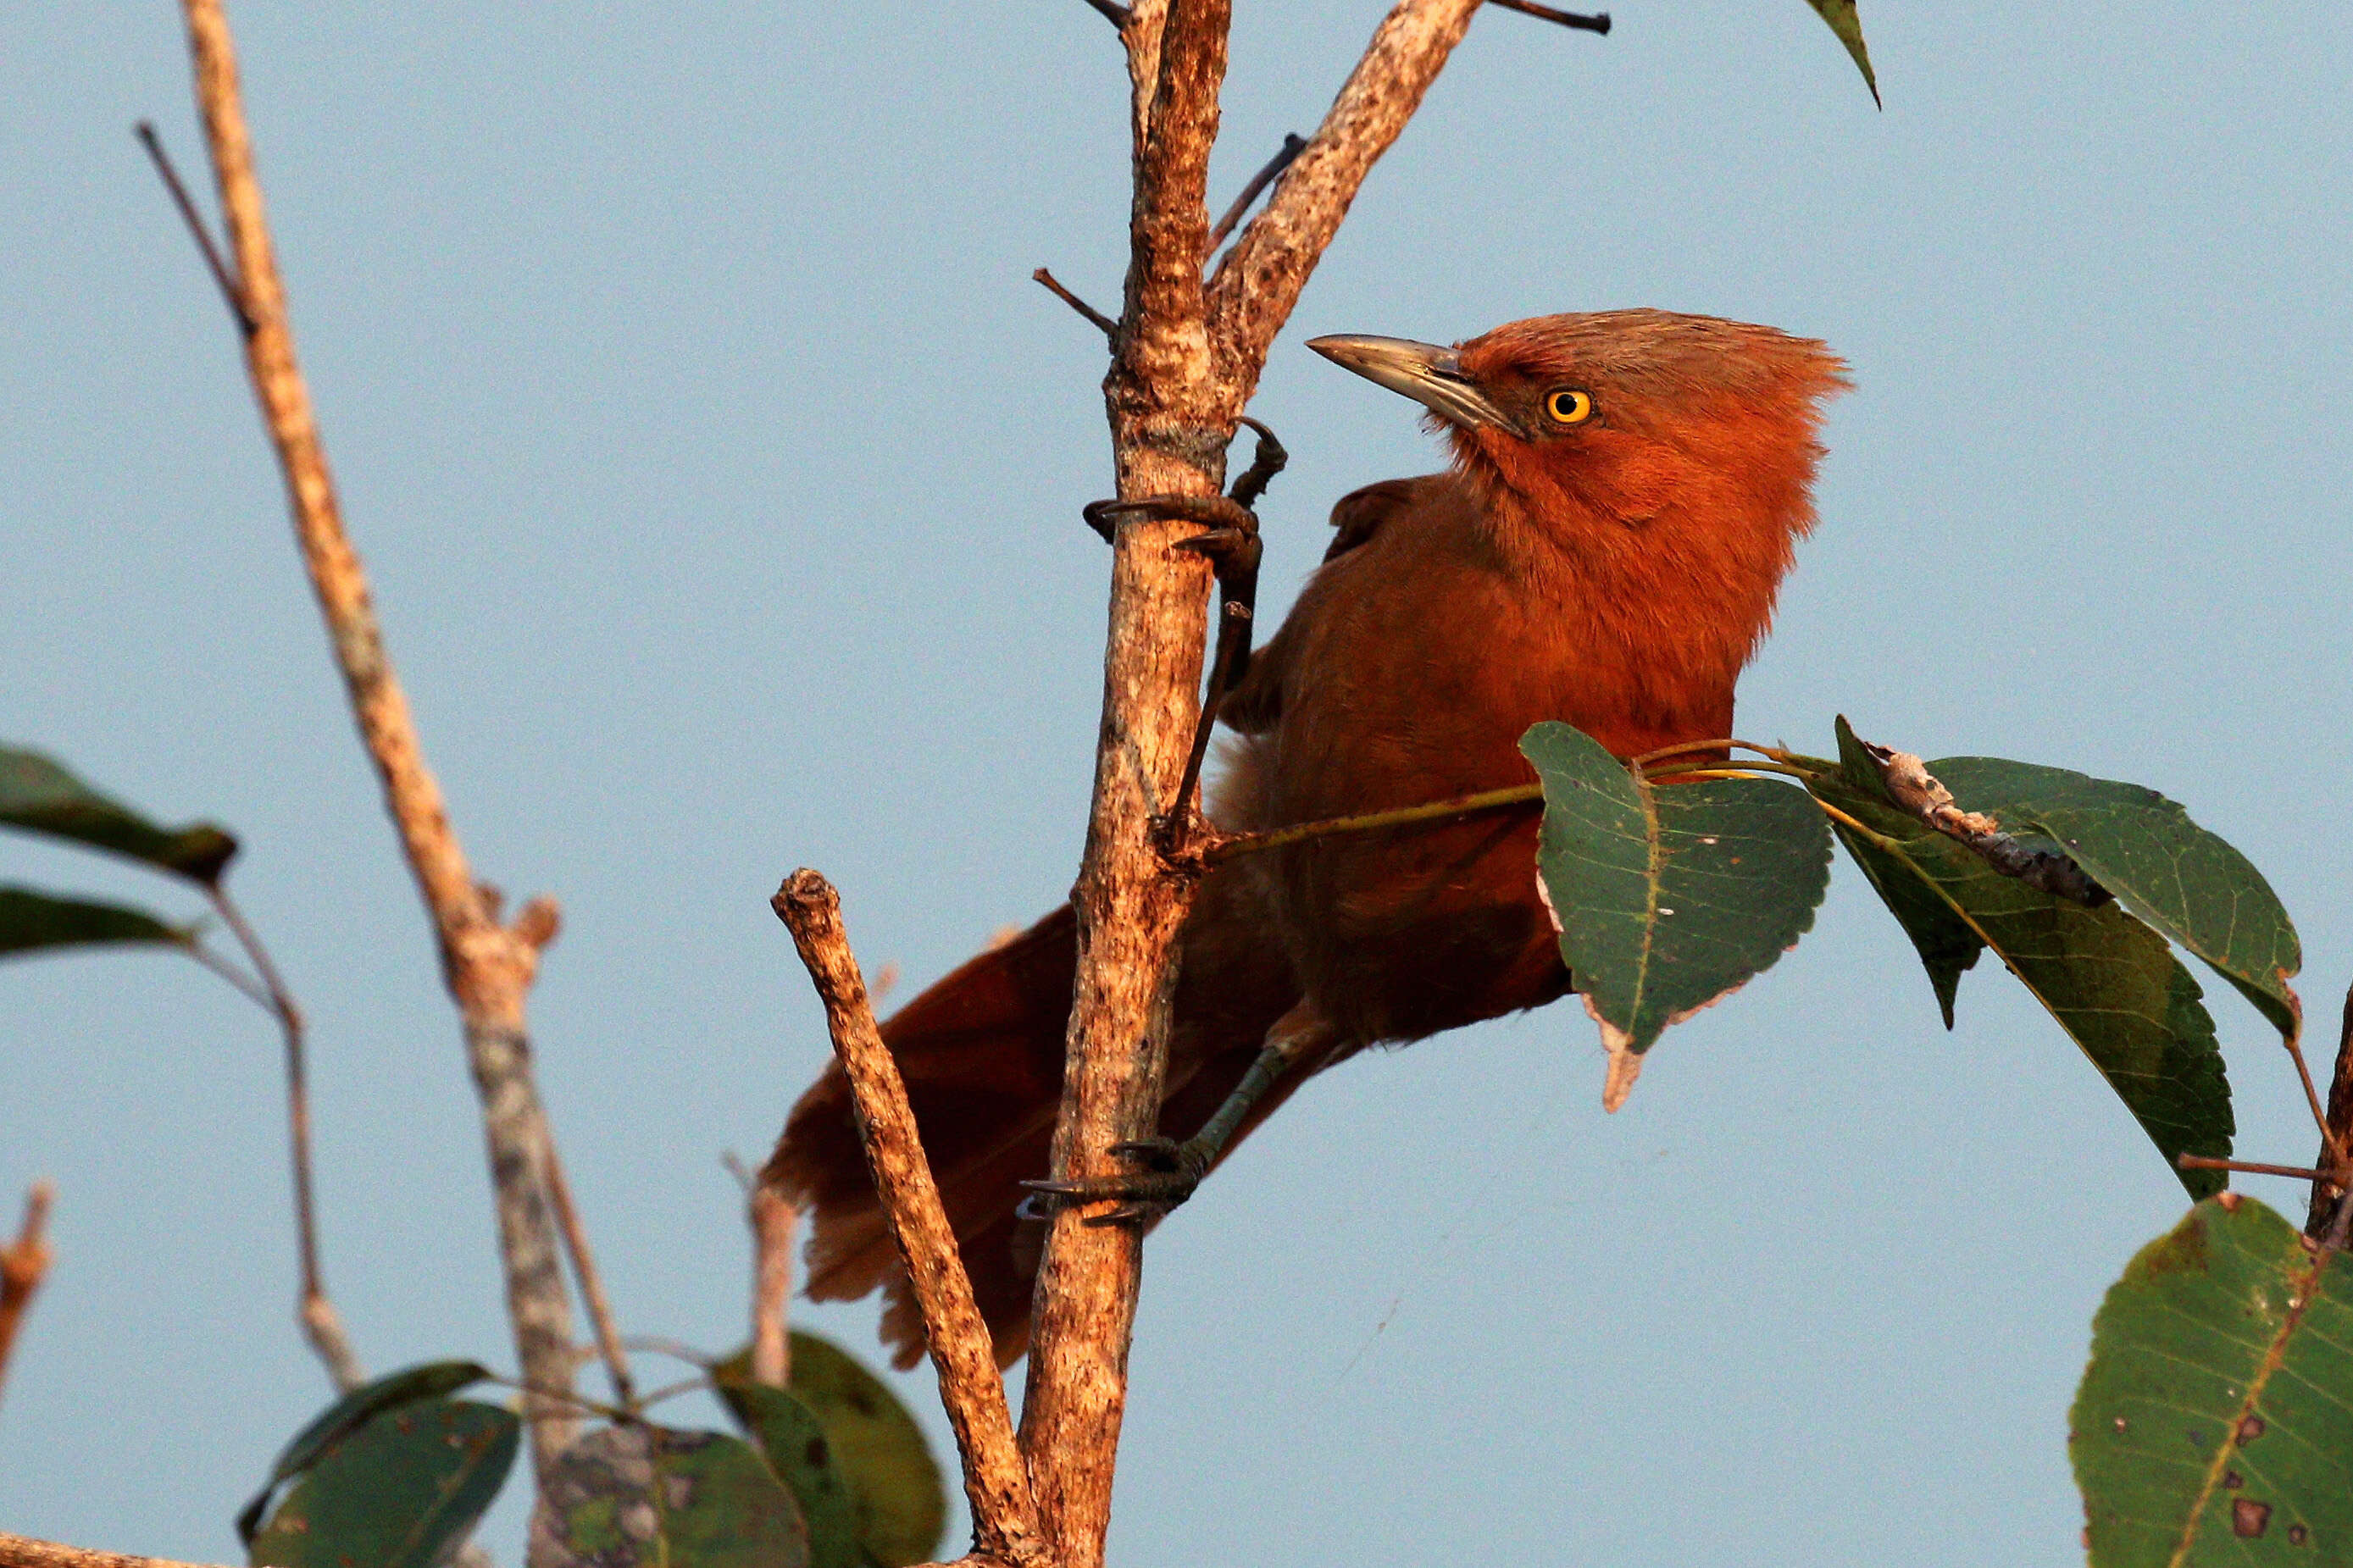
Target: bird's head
(1658, 460)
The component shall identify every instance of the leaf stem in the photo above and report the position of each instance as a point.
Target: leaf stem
(1729, 771)
(2248, 1167)
(1721, 742)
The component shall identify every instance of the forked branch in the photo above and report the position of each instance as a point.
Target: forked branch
(1261, 277)
(488, 966)
(1188, 358)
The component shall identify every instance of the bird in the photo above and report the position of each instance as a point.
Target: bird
(1626, 492)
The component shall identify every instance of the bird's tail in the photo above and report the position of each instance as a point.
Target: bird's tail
(981, 1052)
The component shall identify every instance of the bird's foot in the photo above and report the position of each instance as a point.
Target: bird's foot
(1167, 1173)
(1216, 512)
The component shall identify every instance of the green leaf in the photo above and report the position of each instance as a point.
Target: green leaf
(2111, 983)
(30, 921)
(901, 1503)
(400, 1490)
(1843, 21)
(2164, 868)
(649, 1497)
(1668, 897)
(410, 1386)
(39, 795)
(1946, 945)
(793, 1441)
(2215, 1424)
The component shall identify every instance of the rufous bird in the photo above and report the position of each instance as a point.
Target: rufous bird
(1626, 490)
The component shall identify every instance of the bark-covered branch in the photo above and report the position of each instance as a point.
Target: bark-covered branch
(488, 966)
(996, 1483)
(1189, 356)
(1261, 277)
(24, 1552)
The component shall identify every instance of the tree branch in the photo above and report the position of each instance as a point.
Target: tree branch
(1102, 323)
(584, 1274)
(773, 1221)
(24, 1552)
(23, 1264)
(487, 966)
(1261, 277)
(994, 1482)
(1594, 24)
(1170, 417)
(320, 1323)
(1293, 145)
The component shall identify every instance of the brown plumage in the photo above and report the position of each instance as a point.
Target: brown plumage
(1626, 490)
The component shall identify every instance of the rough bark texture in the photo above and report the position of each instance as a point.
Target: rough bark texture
(996, 1483)
(1170, 420)
(1259, 279)
(1187, 358)
(24, 1552)
(488, 966)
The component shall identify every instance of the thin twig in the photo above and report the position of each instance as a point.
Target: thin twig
(316, 1314)
(1224, 849)
(1595, 24)
(669, 1391)
(659, 1344)
(1913, 788)
(2247, 1167)
(1117, 15)
(774, 1220)
(487, 966)
(996, 1483)
(1104, 324)
(1294, 144)
(2330, 1154)
(23, 1264)
(231, 294)
(583, 1272)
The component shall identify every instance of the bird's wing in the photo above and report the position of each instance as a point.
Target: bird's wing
(1255, 706)
(1359, 514)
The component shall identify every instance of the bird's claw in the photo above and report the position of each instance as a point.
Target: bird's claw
(1169, 1172)
(1211, 512)
(1226, 546)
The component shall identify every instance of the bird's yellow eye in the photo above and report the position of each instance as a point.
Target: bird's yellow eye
(1568, 406)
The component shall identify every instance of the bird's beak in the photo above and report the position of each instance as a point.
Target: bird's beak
(1431, 375)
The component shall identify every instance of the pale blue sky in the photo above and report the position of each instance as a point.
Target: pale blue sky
(719, 467)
